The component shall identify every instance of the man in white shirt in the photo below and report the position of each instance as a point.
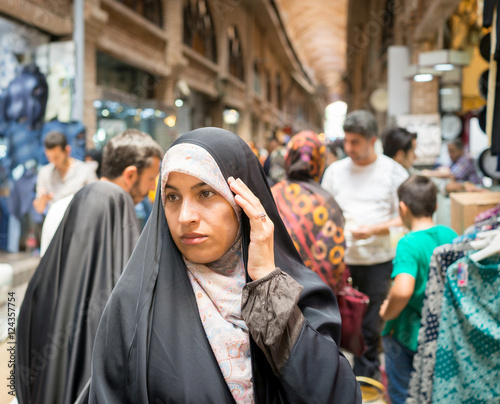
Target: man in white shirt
(63, 176)
(365, 186)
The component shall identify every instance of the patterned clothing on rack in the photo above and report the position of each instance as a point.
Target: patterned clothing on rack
(420, 388)
(485, 225)
(493, 212)
(468, 346)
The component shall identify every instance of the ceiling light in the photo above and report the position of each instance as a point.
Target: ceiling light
(444, 67)
(444, 57)
(423, 77)
(170, 121)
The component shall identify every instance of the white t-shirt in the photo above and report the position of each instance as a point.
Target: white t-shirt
(367, 195)
(78, 175)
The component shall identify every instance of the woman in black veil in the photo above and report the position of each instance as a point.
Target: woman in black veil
(215, 304)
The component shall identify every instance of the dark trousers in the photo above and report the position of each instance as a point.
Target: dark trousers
(374, 281)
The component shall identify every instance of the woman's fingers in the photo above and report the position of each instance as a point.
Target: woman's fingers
(261, 248)
(247, 200)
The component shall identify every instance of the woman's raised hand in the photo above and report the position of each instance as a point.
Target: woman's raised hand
(261, 248)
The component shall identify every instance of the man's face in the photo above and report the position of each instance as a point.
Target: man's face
(359, 148)
(454, 152)
(145, 182)
(410, 154)
(57, 156)
(407, 159)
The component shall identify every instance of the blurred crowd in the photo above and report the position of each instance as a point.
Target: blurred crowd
(341, 203)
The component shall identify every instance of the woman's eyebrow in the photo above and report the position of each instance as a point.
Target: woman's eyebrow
(196, 186)
(199, 185)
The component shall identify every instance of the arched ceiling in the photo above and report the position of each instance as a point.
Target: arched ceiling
(318, 31)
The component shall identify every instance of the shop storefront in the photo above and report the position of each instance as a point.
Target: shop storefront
(36, 96)
(125, 99)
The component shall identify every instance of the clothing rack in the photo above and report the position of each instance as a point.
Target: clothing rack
(461, 321)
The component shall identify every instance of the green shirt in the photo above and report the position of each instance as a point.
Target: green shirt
(413, 257)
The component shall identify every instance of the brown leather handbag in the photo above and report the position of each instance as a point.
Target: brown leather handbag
(352, 306)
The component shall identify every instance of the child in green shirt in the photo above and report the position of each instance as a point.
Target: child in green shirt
(403, 306)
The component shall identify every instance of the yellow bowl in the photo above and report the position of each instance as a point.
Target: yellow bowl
(372, 391)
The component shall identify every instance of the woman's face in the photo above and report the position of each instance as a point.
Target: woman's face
(202, 223)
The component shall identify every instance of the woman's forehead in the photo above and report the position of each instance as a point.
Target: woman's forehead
(180, 178)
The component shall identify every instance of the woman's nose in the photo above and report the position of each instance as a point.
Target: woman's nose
(188, 213)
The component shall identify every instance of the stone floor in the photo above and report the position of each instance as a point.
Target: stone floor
(22, 267)
(15, 272)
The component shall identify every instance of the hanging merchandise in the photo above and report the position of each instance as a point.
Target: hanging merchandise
(8, 61)
(467, 361)
(27, 97)
(420, 387)
(3, 106)
(490, 213)
(22, 194)
(4, 223)
(485, 47)
(461, 320)
(483, 83)
(490, 19)
(23, 144)
(25, 102)
(59, 101)
(489, 164)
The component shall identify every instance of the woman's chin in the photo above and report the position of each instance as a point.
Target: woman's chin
(199, 257)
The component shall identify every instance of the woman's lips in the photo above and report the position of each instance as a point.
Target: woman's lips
(193, 239)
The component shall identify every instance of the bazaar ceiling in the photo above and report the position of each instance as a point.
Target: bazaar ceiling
(318, 30)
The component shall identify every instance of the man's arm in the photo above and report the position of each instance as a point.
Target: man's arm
(43, 196)
(456, 186)
(440, 172)
(378, 229)
(401, 291)
(40, 203)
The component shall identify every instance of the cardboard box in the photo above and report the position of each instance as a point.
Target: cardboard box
(465, 206)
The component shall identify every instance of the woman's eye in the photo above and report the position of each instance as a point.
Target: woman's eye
(207, 193)
(172, 197)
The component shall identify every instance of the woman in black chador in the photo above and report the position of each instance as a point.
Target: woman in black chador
(215, 304)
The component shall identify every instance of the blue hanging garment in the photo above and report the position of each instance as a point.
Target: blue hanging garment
(23, 144)
(27, 97)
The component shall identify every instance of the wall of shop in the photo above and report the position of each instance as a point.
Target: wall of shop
(420, 27)
(154, 44)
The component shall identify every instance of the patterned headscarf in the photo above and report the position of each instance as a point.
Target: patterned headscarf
(196, 161)
(305, 159)
(310, 213)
